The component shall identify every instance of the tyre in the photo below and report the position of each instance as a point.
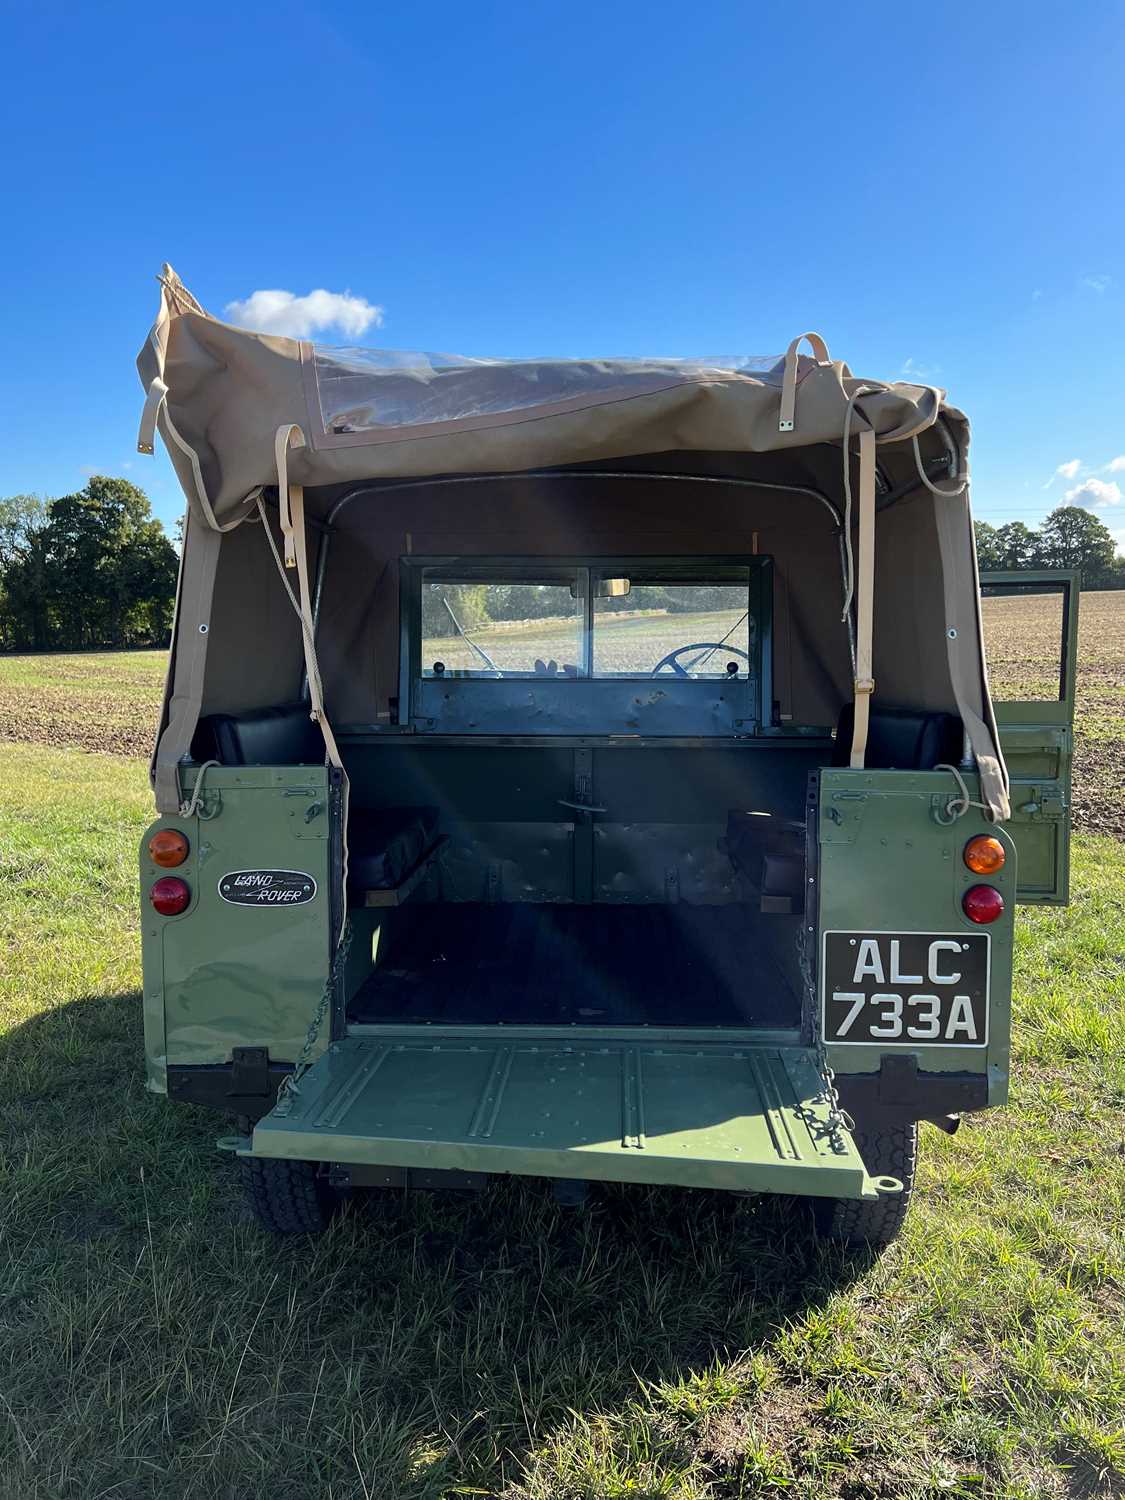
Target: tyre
(288, 1197)
(890, 1151)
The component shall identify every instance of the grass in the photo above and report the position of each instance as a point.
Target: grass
(691, 1345)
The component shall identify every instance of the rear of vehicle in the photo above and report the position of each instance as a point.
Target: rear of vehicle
(593, 798)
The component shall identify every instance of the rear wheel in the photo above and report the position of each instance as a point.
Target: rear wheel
(288, 1197)
(888, 1151)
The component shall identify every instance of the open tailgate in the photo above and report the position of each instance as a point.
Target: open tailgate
(718, 1115)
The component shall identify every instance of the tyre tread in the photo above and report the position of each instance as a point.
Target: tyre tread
(890, 1152)
(286, 1196)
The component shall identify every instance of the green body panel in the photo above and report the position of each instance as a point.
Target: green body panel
(222, 975)
(1038, 747)
(748, 1118)
(886, 864)
(1037, 738)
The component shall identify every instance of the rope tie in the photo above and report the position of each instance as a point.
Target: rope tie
(928, 482)
(957, 807)
(191, 807)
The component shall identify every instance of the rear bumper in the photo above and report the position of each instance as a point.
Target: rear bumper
(899, 1093)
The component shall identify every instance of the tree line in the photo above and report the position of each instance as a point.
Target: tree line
(1070, 537)
(93, 569)
(450, 607)
(96, 570)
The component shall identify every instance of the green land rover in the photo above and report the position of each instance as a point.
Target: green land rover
(584, 769)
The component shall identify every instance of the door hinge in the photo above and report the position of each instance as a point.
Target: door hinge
(250, 1071)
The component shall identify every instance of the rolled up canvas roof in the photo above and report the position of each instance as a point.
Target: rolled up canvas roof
(242, 412)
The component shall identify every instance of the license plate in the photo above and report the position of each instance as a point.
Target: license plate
(912, 989)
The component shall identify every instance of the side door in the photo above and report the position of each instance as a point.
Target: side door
(1031, 642)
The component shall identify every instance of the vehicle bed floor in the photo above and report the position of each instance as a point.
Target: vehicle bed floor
(674, 965)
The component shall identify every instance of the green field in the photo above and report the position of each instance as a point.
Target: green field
(154, 1343)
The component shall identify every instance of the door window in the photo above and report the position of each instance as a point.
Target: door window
(1025, 629)
(1030, 638)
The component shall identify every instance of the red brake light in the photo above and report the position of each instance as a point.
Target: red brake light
(170, 895)
(982, 904)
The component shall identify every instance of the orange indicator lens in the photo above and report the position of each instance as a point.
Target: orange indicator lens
(169, 848)
(985, 855)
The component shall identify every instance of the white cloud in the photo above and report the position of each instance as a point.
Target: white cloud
(1037, 294)
(916, 371)
(1096, 282)
(1095, 492)
(1115, 465)
(296, 317)
(1118, 536)
(1065, 471)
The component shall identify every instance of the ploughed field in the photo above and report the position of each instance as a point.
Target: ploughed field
(108, 700)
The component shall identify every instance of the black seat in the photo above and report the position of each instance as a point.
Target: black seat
(385, 845)
(281, 736)
(902, 739)
(769, 853)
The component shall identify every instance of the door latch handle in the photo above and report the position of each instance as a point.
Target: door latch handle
(585, 807)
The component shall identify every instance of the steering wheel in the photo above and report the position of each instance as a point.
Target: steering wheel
(670, 659)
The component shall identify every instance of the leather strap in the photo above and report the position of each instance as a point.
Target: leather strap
(789, 378)
(291, 504)
(865, 599)
(154, 400)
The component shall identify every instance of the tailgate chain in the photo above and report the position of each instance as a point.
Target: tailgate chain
(290, 1085)
(838, 1120)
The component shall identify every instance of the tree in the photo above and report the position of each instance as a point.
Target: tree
(98, 571)
(1016, 546)
(20, 517)
(1074, 538)
(988, 549)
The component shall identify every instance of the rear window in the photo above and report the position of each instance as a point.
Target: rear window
(365, 393)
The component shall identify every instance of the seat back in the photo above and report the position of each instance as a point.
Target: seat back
(902, 739)
(281, 736)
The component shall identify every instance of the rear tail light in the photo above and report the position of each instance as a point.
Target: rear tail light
(984, 855)
(170, 895)
(982, 904)
(168, 848)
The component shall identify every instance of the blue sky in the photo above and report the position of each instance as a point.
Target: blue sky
(935, 189)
